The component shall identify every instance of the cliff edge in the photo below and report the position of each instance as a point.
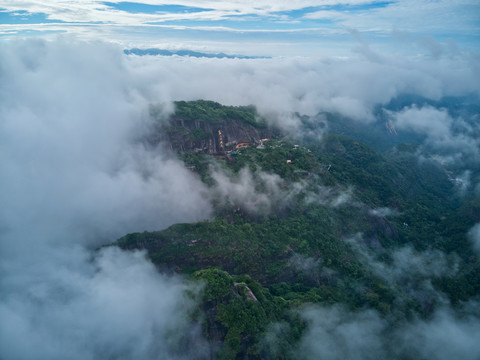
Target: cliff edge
(208, 127)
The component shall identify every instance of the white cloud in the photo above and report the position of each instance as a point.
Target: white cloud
(326, 15)
(445, 336)
(426, 17)
(71, 10)
(383, 212)
(443, 133)
(117, 306)
(350, 86)
(74, 176)
(93, 19)
(70, 128)
(338, 333)
(259, 193)
(428, 120)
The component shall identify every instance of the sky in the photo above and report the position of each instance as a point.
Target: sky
(256, 28)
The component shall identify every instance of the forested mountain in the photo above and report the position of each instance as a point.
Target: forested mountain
(376, 231)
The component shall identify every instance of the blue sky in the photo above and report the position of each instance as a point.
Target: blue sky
(264, 27)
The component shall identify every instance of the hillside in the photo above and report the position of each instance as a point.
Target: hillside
(330, 222)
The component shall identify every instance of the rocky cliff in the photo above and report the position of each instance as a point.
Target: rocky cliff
(212, 137)
(208, 127)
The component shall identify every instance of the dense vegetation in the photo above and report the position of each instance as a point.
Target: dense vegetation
(340, 211)
(211, 111)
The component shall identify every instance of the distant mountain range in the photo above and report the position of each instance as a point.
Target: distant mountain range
(164, 52)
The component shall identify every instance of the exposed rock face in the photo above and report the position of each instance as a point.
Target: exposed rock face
(204, 136)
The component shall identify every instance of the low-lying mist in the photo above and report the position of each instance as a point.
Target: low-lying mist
(75, 175)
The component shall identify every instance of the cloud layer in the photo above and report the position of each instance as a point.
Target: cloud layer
(117, 306)
(75, 174)
(352, 87)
